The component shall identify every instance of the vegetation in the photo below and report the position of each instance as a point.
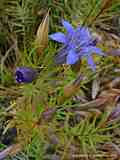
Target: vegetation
(65, 111)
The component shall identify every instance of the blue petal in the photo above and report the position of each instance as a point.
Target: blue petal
(72, 57)
(60, 58)
(83, 34)
(90, 50)
(68, 26)
(59, 37)
(91, 63)
(97, 51)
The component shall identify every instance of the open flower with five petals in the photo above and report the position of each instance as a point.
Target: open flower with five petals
(78, 43)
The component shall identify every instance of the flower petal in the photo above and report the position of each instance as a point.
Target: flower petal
(97, 51)
(90, 50)
(91, 63)
(72, 57)
(85, 32)
(82, 36)
(115, 113)
(59, 37)
(68, 26)
(60, 58)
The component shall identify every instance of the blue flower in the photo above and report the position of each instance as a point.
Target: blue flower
(78, 43)
(25, 74)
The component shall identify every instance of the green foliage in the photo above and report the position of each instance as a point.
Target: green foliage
(20, 18)
(88, 134)
(6, 78)
(92, 12)
(23, 17)
(34, 150)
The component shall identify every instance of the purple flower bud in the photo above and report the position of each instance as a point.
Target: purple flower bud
(115, 113)
(25, 74)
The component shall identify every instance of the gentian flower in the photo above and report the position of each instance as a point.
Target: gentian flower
(78, 43)
(25, 74)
